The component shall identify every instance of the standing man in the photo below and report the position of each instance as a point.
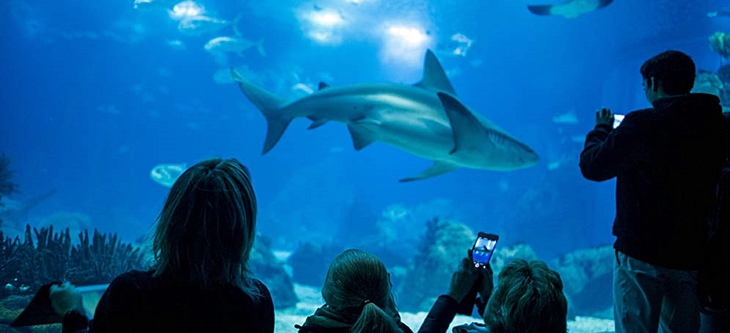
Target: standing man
(667, 160)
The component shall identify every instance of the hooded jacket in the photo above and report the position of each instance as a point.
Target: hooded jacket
(667, 160)
(326, 320)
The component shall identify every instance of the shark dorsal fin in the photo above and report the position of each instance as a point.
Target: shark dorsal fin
(323, 85)
(434, 77)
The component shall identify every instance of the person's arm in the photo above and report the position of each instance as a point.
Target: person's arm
(609, 152)
(440, 316)
(485, 289)
(444, 310)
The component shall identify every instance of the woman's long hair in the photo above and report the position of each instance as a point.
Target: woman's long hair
(528, 298)
(358, 288)
(206, 230)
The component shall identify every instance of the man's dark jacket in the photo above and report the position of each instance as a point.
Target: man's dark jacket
(667, 161)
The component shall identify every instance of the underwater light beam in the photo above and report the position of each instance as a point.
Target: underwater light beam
(186, 9)
(405, 44)
(326, 19)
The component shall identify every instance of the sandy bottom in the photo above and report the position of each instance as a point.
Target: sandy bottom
(310, 300)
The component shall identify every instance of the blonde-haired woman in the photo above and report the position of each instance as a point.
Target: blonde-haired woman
(358, 297)
(200, 281)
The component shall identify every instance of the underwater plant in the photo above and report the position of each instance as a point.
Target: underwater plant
(26, 265)
(7, 187)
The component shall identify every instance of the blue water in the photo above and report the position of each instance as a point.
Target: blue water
(93, 98)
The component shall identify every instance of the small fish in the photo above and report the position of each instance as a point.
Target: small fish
(199, 25)
(569, 8)
(719, 13)
(167, 174)
(150, 4)
(176, 44)
(224, 44)
(566, 118)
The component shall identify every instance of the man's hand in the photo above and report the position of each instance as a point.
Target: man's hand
(463, 279)
(604, 116)
(487, 283)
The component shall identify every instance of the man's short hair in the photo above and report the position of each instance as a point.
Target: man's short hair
(675, 70)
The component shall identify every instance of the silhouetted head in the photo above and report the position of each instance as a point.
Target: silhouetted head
(528, 298)
(666, 74)
(358, 288)
(207, 227)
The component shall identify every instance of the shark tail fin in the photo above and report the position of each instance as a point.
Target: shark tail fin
(260, 47)
(270, 106)
(235, 23)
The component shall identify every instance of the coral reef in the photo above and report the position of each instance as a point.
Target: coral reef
(720, 43)
(552, 225)
(504, 255)
(437, 256)
(44, 256)
(716, 84)
(7, 187)
(95, 260)
(267, 267)
(587, 279)
(708, 82)
(310, 261)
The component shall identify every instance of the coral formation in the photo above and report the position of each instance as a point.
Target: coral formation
(708, 82)
(7, 187)
(26, 265)
(504, 255)
(716, 84)
(587, 279)
(552, 225)
(267, 267)
(720, 43)
(310, 261)
(437, 256)
(95, 260)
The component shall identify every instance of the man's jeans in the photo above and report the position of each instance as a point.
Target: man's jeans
(646, 296)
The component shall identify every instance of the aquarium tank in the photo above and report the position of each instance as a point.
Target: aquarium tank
(400, 127)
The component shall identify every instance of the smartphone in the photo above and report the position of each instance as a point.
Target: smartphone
(483, 249)
(617, 119)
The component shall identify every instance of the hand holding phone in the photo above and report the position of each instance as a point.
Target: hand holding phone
(481, 253)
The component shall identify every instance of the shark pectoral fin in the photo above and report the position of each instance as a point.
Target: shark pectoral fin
(360, 138)
(317, 123)
(464, 125)
(322, 85)
(434, 77)
(438, 168)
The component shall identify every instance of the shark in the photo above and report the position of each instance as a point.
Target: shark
(569, 8)
(425, 119)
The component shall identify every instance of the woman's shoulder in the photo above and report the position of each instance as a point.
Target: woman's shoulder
(133, 279)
